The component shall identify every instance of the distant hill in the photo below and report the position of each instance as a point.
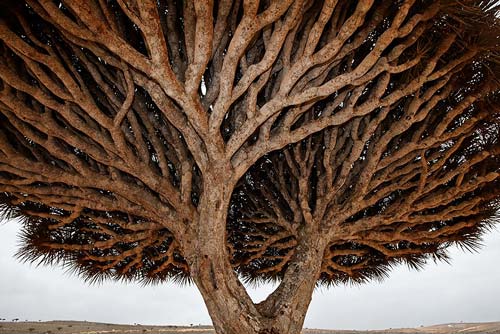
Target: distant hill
(84, 327)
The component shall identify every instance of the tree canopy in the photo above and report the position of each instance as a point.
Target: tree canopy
(139, 138)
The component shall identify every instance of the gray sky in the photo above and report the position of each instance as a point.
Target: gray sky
(467, 290)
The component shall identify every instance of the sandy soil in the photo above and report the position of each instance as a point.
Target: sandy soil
(83, 327)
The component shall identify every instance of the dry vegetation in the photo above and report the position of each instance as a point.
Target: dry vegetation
(83, 327)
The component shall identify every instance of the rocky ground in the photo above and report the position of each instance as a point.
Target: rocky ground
(83, 327)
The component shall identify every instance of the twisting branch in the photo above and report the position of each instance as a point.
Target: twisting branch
(301, 141)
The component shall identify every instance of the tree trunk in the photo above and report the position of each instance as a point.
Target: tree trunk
(228, 303)
(287, 306)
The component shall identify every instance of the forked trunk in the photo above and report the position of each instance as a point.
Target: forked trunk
(233, 311)
(228, 303)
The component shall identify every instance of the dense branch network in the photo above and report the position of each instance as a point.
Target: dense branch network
(374, 124)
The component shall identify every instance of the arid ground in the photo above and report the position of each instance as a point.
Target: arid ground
(83, 327)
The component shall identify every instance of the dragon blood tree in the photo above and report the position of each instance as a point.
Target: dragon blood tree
(308, 142)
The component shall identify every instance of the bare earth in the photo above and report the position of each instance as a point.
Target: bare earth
(83, 327)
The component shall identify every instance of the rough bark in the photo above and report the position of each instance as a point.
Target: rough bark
(285, 309)
(230, 306)
(228, 303)
(304, 141)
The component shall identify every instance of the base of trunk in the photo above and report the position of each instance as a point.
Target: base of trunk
(228, 303)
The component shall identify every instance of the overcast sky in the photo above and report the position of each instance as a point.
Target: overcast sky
(467, 290)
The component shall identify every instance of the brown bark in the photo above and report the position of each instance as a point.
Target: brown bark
(285, 309)
(231, 308)
(228, 303)
(233, 311)
(309, 141)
